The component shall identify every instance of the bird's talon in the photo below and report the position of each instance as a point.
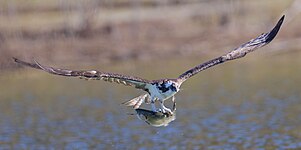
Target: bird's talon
(169, 113)
(159, 110)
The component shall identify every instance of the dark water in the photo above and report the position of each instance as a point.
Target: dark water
(245, 104)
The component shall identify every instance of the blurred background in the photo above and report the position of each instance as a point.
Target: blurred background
(250, 103)
(102, 31)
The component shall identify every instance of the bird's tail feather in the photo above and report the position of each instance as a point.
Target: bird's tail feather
(137, 101)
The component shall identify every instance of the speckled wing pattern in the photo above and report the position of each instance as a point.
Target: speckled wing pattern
(91, 74)
(238, 52)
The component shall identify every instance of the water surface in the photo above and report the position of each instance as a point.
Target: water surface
(244, 104)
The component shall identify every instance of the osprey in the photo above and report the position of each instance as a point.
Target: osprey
(162, 89)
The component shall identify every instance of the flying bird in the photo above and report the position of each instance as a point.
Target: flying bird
(162, 89)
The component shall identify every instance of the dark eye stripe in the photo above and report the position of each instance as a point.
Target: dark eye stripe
(162, 87)
(173, 88)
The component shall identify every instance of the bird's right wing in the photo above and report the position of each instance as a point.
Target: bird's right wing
(91, 74)
(238, 52)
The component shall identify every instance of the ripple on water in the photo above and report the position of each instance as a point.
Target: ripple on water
(248, 125)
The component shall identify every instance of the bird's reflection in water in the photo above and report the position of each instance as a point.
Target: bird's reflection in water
(156, 119)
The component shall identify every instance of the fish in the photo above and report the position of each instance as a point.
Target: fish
(156, 119)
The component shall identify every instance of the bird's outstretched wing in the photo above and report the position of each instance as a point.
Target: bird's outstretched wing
(238, 52)
(91, 74)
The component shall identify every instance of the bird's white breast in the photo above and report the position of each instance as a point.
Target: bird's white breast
(156, 93)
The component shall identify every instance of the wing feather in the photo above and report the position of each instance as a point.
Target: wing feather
(91, 74)
(238, 52)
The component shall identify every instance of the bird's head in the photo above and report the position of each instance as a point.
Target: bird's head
(168, 85)
(172, 85)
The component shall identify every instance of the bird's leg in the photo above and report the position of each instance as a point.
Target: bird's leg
(154, 109)
(173, 98)
(164, 109)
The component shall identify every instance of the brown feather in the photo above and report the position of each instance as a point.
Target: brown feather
(239, 52)
(91, 74)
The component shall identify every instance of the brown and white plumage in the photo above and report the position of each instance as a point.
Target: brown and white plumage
(91, 74)
(238, 52)
(161, 89)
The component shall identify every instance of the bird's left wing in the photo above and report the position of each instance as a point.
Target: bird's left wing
(91, 74)
(239, 52)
